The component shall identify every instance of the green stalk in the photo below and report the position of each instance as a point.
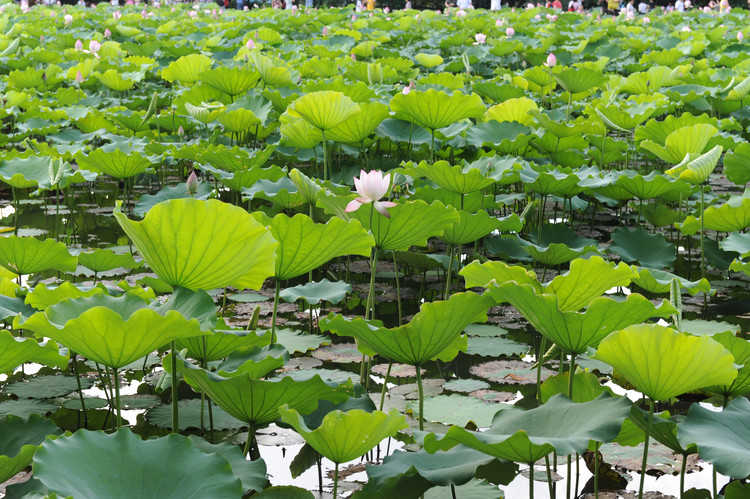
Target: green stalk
(596, 471)
(117, 396)
(421, 397)
(385, 385)
(550, 486)
(80, 391)
(682, 474)
(325, 155)
(398, 289)
(175, 408)
(275, 310)
(645, 447)
(446, 295)
(539, 362)
(336, 481)
(571, 373)
(432, 148)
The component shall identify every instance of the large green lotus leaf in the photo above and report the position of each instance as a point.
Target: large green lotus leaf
(686, 140)
(115, 163)
(231, 81)
(222, 343)
(458, 179)
(506, 137)
(113, 331)
(659, 281)
(663, 363)
(481, 275)
(578, 80)
(206, 112)
(282, 193)
(305, 245)
(29, 255)
(271, 74)
(652, 185)
(736, 164)
(433, 109)
(740, 350)
(178, 191)
(255, 362)
(252, 474)
(257, 402)
(586, 386)
(357, 128)
(315, 292)
(624, 119)
(434, 332)
(17, 351)
(25, 173)
(299, 133)
(120, 465)
(325, 109)
(113, 80)
(517, 110)
(343, 436)
(526, 436)
(576, 331)
(238, 120)
(697, 169)
(658, 131)
(732, 216)
(472, 227)
(101, 260)
(638, 245)
(740, 90)
(186, 69)
(21, 438)
(723, 438)
(558, 244)
(663, 430)
(190, 415)
(14, 307)
(428, 60)
(411, 224)
(588, 279)
(203, 244)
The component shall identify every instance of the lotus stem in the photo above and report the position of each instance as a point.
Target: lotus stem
(80, 390)
(596, 471)
(550, 486)
(117, 396)
(385, 385)
(175, 408)
(571, 375)
(370, 311)
(453, 491)
(703, 262)
(336, 481)
(446, 295)
(275, 311)
(682, 474)
(398, 289)
(325, 155)
(421, 397)
(432, 147)
(539, 362)
(645, 447)
(531, 481)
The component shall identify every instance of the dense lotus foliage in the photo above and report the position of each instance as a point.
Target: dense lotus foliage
(470, 249)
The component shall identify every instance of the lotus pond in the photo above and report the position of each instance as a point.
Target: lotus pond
(295, 254)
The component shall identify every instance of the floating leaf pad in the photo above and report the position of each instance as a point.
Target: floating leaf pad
(510, 372)
(190, 416)
(455, 410)
(44, 387)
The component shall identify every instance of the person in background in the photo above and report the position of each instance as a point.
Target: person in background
(407, 5)
(370, 5)
(643, 7)
(495, 5)
(557, 4)
(359, 7)
(679, 6)
(464, 4)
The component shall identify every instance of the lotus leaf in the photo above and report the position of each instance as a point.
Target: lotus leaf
(459, 410)
(95, 464)
(21, 438)
(740, 350)
(586, 280)
(115, 163)
(454, 178)
(433, 109)
(659, 281)
(586, 387)
(482, 275)
(435, 332)
(17, 351)
(231, 81)
(343, 436)
(101, 260)
(113, 80)
(186, 69)
(517, 110)
(252, 474)
(221, 343)
(472, 227)
(635, 244)
(734, 215)
(578, 80)
(696, 170)
(663, 363)
(203, 244)
(315, 292)
(24, 173)
(28, 255)
(325, 109)
(357, 128)
(686, 140)
(736, 164)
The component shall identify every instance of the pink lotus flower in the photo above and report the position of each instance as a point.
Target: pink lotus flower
(461, 13)
(406, 90)
(193, 14)
(354, 58)
(551, 60)
(386, 10)
(325, 30)
(480, 38)
(371, 187)
(107, 33)
(509, 32)
(116, 15)
(685, 28)
(740, 36)
(79, 77)
(354, 18)
(94, 47)
(646, 20)
(143, 14)
(250, 44)
(499, 22)
(181, 131)
(79, 45)
(68, 19)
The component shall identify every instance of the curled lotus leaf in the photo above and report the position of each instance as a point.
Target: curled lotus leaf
(29, 255)
(17, 351)
(203, 244)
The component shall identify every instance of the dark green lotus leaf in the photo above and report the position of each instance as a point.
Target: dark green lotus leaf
(455, 409)
(113, 331)
(433, 109)
(186, 69)
(652, 185)
(179, 191)
(663, 363)
(736, 164)
(305, 245)
(586, 387)
(17, 351)
(203, 244)
(472, 227)
(555, 182)
(403, 131)
(252, 474)
(343, 436)
(21, 438)
(257, 402)
(659, 281)
(115, 163)
(28, 255)
(298, 341)
(527, 436)
(231, 81)
(637, 245)
(558, 244)
(588, 279)
(481, 275)
(101, 260)
(458, 179)
(734, 490)
(44, 387)
(723, 438)
(24, 408)
(578, 80)
(95, 464)
(190, 416)
(494, 347)
(221, 343)
(25, 173)
(315, 292)
(435, 332)
(663, 429)
(507, 136)
(576, 331)
(285, 492)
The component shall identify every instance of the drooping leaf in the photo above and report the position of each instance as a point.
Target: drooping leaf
(481, 275)
(17, 351)
(101, 260)
(315, 292)
(21, 438)
(649, 250)
(28, 255)
(231, 81)
(116, 163)
(697, 169)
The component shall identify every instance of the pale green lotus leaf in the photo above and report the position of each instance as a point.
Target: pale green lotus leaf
(686, 140)
(186, 69)
(325, 109)
(357, 128)
(433, 109)
(29, 255)
(482, 275)
(517, 109)
(231, 81)
(17, 351)
(696, 169)
(116, 163)
(472, 227)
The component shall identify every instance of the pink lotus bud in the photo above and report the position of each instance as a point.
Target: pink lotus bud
(480, 38)
(551, 60)
(52, 13)
(386, 10)
(116, 15)
(406, 90)
(325, 30)
(181, 131)
(250, 44)
(509, 32)
(79, 77)
(94, 46)
(740, 36)
(192, 13)
(553, 18)
(107, 33)
(79, 45)
(192, 183)
(354, 18)
(143, 14)
(354, 58)
(68, 19)
(646, 20)
(499, 22)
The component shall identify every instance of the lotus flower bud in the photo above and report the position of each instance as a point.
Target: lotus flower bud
(79, 77)
(480, 38)
(740, 36)
(79, 45)
(509, 32)
(116, 15)
(181, 131)
(192, 183)
(250, 44)
(68, 19)
(551, 60)
(325, 30)
(107, 33)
